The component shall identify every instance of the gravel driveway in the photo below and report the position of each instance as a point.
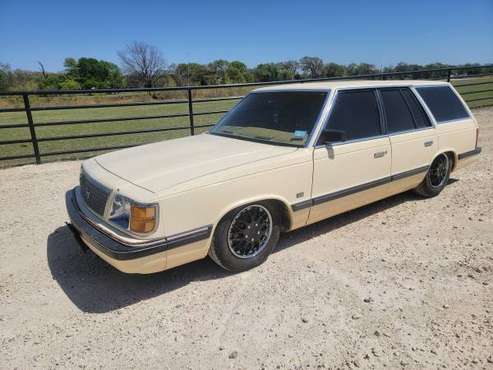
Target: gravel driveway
(405, 282)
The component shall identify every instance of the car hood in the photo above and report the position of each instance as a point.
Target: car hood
(163, 165)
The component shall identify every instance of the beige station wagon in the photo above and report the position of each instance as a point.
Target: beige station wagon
(284, 157)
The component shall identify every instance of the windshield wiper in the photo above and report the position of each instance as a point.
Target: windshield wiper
(259, 137)
(267, 138)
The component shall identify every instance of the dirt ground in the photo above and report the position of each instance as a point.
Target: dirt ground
(405, 282)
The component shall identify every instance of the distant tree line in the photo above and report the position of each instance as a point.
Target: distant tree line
(143, 65)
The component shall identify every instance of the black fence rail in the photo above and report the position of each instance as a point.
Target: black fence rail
(479, 92)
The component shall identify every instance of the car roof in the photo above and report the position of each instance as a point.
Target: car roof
(331, 85)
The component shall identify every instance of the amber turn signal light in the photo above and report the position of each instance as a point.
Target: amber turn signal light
(142, 219)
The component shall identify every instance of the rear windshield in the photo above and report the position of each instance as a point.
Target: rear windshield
(443, 103)
(283, 118)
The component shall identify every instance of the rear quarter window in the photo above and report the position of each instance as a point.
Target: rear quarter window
(443, 103)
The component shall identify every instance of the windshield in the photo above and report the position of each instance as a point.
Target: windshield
(285, 118)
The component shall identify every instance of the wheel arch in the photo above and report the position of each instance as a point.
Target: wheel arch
(284, 210)
(451, 154)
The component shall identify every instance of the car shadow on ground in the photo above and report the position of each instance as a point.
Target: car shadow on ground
(96, 287)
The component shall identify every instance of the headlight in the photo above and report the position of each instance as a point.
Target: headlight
(120, 211)
(139, 218)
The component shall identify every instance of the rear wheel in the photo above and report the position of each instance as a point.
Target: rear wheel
(436, 178)
(246, 236)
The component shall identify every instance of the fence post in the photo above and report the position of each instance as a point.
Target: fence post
(190, 111)
(34, 139)
(448, 75)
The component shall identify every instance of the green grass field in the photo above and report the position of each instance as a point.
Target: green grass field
(474, 92)
(40, 117)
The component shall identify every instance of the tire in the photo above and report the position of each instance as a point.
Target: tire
(436, 178)
(256, 222)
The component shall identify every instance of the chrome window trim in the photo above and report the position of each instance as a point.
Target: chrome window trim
(325, 112)
(454, 120)
(430, 115)
(328, 93)
(278, 89)
(417, 129)
(353, 141)
(330, 108)
(373, 87)
(410, 131)
(466, 107)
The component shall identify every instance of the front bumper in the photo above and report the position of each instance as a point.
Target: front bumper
(142, 258)
(106, 244)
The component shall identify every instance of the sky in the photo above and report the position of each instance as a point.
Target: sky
(380, 32)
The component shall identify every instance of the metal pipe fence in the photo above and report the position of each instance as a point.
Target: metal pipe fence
(189, 123)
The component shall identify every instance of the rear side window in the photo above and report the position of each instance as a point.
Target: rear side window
(420, 118)
(356, 113)
(443, 103)
(399, 116)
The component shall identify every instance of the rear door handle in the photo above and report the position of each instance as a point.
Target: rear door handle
(428, 143)
(379, 154)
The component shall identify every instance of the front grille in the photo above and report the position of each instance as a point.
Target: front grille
(95, 195)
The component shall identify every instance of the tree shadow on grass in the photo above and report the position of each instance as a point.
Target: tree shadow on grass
(96, 287)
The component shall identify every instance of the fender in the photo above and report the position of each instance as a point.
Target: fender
(264, 197)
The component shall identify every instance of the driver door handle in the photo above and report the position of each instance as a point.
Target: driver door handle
(379, 154)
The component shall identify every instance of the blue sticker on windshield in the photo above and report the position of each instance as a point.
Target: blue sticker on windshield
(299, 134)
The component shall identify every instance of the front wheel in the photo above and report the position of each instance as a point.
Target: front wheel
(245, 237)
(436, 178)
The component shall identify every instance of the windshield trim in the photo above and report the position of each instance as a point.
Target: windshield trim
(277, 143)
(255, 140)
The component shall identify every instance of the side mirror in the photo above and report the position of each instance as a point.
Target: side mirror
(332, 136)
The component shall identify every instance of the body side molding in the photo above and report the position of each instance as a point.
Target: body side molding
(356, 189)
(470, 153)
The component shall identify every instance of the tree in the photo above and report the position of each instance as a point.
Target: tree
(5, 76)
(43, 70)
(51, 82)
(237, 72)
(186, 74)
(218, 68)
(288, 70)
(69, 84)
(266, 72)
(91, 73)
(143, 61)
(436, 74)
(355, 69)
(312, 66)
(334, 70)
